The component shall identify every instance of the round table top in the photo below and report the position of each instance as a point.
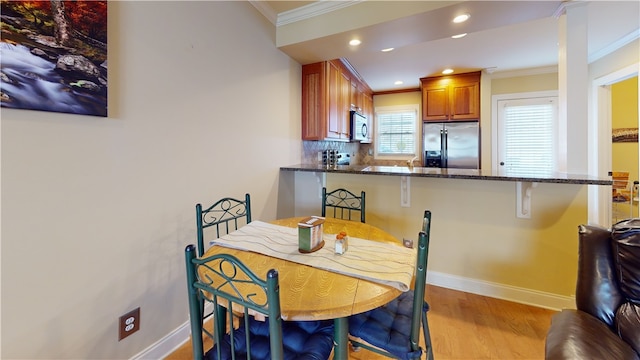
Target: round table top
(308, 293)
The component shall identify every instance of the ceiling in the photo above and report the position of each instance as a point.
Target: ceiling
(503, 37)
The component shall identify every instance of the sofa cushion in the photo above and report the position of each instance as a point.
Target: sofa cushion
(627, 324)
(597, 289)
(626, 250)
(575, 334)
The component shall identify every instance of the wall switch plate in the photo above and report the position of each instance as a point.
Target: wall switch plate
(129, 323)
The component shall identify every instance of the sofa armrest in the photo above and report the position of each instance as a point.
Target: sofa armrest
(597, 289)
(577, 335)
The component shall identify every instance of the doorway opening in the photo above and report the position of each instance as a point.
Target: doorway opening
(600, 149)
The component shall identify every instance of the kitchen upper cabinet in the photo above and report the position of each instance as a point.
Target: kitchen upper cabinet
(334, 121)
(355, 95)
(451, 98)
(367, 111)
(344, 105)
(322, 97)
(315, 101)
(358, 93)
(329, 89)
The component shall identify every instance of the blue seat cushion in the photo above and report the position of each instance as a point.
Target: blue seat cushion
(388, 327)
(303, 340)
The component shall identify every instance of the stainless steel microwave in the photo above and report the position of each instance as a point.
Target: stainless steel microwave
(359, 127)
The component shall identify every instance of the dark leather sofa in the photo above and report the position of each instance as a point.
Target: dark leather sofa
(606, 323)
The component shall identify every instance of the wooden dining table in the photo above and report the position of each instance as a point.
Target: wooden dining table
(310, 293)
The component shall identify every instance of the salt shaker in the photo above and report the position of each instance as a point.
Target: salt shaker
(342, 243)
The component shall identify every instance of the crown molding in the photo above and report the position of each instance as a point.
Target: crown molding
(631, 37)
(265, 10)
(524, 72)
(562, 8)
(311, 10)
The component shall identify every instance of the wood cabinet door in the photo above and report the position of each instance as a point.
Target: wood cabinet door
(344, 105)
(435, 100)
(451, 98)
(313, 102)
(360, 97)
(355, 102)
(334, 100)
(465, 99)
(367, 110)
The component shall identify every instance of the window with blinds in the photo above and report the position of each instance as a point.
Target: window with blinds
(396, 132)
(527, 131)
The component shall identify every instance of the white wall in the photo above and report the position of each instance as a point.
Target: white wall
(96, 212)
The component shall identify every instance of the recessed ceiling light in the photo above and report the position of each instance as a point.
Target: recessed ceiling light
(461, 18)
(387, 50)
(354, 42)
(459, 36)
(447, 71)
(399, 82)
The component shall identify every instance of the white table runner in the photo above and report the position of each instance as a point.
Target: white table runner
(375, 261)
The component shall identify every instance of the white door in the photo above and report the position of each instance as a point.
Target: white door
(527, 134)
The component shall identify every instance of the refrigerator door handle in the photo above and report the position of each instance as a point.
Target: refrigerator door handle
(445, 146)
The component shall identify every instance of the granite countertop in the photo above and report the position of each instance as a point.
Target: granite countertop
(559, 178)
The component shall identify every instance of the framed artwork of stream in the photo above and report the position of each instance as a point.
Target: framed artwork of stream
(53, 56)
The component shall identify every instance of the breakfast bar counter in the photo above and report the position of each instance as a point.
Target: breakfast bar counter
(469, 174)
(513, 235)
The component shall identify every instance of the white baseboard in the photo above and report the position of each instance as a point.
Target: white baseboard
(165, 346)
(502, 291)
(179, 336)
(169, 343)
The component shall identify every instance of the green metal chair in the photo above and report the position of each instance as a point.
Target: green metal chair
(393, 330)
(225, 215)
(223, 282)
(343, 202)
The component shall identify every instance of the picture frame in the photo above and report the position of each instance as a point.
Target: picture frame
(624, 135)
(53, 56)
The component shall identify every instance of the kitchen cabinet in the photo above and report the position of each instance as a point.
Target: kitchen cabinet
(330, 89)
(325, 101)
(359, 93)
(451, 97)
(367, 111)
(344, 105)
(362, 102)
(356, 96)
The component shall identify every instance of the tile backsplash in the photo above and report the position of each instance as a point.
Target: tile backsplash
(310, 150)
(360, 153)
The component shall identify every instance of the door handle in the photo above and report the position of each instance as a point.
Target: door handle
(445, 149)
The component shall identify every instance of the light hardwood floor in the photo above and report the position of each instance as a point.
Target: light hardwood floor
(468, 327)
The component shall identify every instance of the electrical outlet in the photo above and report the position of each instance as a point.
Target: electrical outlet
(129, 323)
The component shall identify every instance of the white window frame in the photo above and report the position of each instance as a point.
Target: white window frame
(497, 138)
(415, 108)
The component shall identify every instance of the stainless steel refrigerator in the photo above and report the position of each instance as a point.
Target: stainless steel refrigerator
(451, 145)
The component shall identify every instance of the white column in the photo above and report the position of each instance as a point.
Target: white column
(573, 74)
